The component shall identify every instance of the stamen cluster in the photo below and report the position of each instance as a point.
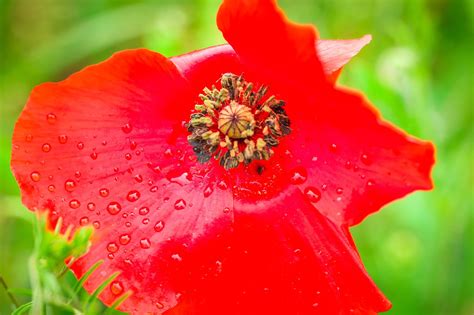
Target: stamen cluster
(237, 123)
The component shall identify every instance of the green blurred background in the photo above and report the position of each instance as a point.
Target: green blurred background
(418, 71)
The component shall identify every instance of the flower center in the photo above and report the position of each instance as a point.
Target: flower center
(237, 123)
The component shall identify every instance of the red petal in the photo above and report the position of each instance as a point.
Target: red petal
(335, 54)
(281, 53)
(202, 67)
(99, 148)
(351, 161)
(275, 260)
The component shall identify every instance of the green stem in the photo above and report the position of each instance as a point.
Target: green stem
(10, 295)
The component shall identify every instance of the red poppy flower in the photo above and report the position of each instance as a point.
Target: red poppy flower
(237, 201)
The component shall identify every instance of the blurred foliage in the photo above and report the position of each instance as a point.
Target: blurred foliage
(418, 71)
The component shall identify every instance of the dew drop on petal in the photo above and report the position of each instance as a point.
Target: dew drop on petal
(112, 247)
(35, 176)
(365, 159)
(339, 191)
(128, 156)
(103, 192)
(348, 165)
(127, 128)
(94, 155)
(114, 207)
(145, 243)
(370, 183)
(208, 191)
(29, 138)
(84, 221)
(74, 204)
(222, 185)
(298, 176)
(69, 185)
(159, 226)
(96, 224)
(143, 211)
(146, 221)
(91, 206)
(180, 204)
(51, 118)
(312, 193)
(62, 139)
(124, 239)
(80, 145)
(138, 178)
(51, 188)
(333, 147)
(176, 257)
(46, 147)
(116, 288)
(128, 224)
(110, 256)
(133, 195)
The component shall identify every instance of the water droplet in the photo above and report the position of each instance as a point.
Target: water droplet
(51, 188)
(112, 247)
(62, 139)
(114, 207)
(226, 210)
(74, 204)
(133, 145)
(127, 128)
(146, 221)
(299, 176)
(110, 256)
(208, 191)
(128, 156)
(180, 204)
(333, 147)
(84, 221)
(339, 191)
(159, 226)
(370, 183)
(133, 195)
(222, 185)
(128, 224)
(348, 165)
(104, 192)
(96, 224)
(51, 118)
(46, 147)
(124, 239)
(365, 159)
(145, 243)
(70, 185)
(176, 257)
(168, 153)
(313, 194)
(29, 138)
(80, 145)
(116, 288)
(94, 155)
(138, 178)
(143, 211)
(154, 189)
(159, 305)
(104, 143)
(91, 206)
(35, 176)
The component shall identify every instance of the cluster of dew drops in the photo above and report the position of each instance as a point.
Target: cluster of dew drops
(114, 207)
(298, 176)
